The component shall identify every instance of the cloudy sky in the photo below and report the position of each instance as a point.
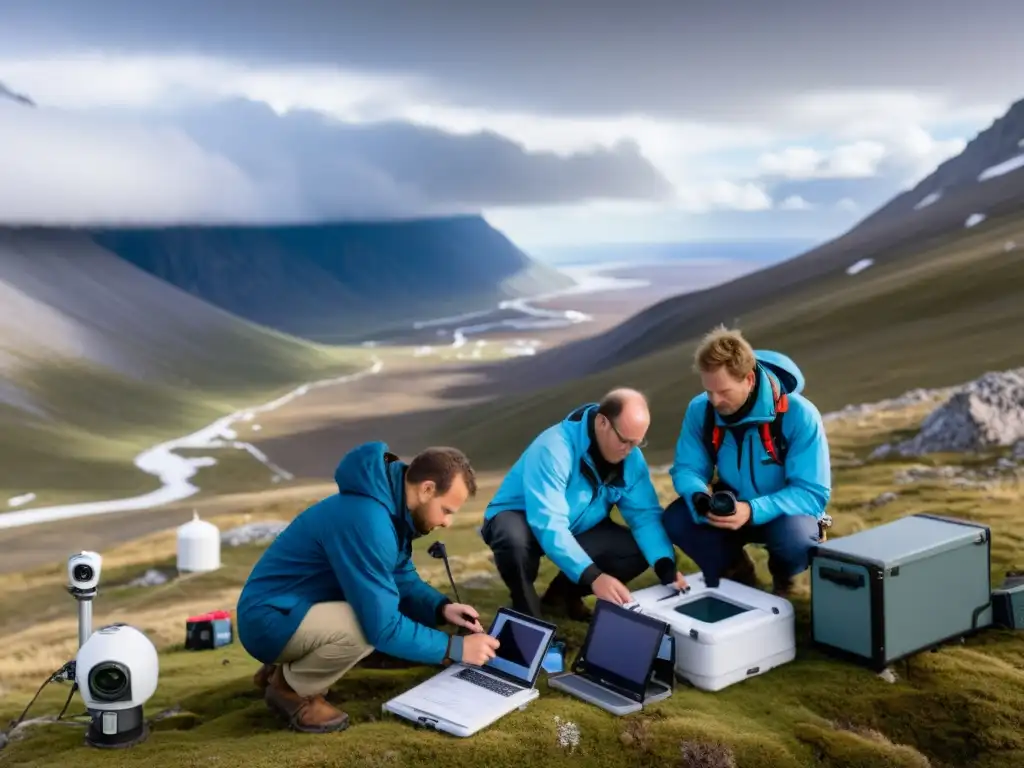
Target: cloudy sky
(563, 122)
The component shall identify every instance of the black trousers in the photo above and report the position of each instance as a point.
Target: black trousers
(517, 556)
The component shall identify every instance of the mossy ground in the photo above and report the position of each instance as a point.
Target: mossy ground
(960, 706)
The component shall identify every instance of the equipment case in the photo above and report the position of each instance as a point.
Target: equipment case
(1008, 602)
(888, 592)
(723, 634)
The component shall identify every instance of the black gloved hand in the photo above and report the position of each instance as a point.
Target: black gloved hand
(701, 503)
(723, 503)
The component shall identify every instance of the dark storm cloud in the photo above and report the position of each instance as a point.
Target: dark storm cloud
(482, 169)
(240, 161)
(733, 60)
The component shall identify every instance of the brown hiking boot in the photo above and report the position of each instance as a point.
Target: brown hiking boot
(560, 598)
(742, 570)
(262, 676)
(306, 714)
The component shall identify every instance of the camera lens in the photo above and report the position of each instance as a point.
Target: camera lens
(82, 572)
(108, 681)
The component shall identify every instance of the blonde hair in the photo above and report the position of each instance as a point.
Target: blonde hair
(725, 347)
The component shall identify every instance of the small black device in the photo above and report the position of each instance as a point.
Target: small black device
(438, 552)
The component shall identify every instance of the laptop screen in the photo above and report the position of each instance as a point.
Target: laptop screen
(522, 646)
(621, 646)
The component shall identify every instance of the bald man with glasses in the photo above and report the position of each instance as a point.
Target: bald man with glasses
(556, 502)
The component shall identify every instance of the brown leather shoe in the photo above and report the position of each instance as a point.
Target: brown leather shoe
(306, 714)
(742, 571)
(262, 676)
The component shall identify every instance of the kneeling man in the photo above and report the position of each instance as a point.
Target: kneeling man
(339, 582)
(556, 501)
(768, 444)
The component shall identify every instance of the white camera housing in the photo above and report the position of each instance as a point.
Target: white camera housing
(84, 572)
(116, 671)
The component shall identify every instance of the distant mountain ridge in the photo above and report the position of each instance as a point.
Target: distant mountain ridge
(338, 281)
(984, 175)
(984, 181)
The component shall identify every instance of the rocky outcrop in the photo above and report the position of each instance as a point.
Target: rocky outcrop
(906, 400)
(253, 533)
(984, 414)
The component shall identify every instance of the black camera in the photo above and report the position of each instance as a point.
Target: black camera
(719, 503)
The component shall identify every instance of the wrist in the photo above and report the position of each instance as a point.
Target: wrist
(455, 648)
(665, 568)
(589, 575)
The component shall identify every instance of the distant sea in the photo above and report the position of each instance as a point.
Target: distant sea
(708, 251)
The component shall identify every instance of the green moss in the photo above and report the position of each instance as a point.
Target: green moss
(957, 707)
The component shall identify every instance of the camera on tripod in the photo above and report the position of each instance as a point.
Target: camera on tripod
(116, 668)
(84, 573)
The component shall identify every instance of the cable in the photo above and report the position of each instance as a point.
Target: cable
(66, 672)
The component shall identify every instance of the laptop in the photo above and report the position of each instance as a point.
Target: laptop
(617, 668)
(464, 698)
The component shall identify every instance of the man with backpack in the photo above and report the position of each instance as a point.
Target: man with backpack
(768, 445)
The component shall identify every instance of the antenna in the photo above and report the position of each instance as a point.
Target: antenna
(437, 551)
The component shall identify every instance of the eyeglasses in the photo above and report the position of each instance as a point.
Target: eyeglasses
(625, 440)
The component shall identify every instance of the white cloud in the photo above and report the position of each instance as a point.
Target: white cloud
(795, 203)
(77, 169)
(714, 167)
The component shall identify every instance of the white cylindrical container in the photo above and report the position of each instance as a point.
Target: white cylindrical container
(198, 546)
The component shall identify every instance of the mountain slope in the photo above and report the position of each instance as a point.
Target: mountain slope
(899, 229)
(98, 359)
(340, 281)
(932, 318)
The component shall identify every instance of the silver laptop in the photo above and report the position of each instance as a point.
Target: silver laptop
(464, 698)
(618, 669)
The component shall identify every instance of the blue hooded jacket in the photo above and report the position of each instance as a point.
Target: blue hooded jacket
(555, 482)
(354, 546)
(802, 487)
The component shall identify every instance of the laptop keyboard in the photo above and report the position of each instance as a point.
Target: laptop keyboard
(486, 681)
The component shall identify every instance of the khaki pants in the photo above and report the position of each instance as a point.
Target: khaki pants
(327, 644)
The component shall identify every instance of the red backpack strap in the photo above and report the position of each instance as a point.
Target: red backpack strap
(771, 432)
(713, 434)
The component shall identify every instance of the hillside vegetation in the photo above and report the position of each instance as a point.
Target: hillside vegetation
(936, 317)
(100, 360)
(339, 282)
(957, 707)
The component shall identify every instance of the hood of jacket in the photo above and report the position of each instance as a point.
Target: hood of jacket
(372, 470)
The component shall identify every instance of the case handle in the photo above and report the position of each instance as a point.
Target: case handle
(846, 579)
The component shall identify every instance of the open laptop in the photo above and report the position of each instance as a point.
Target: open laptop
(615, 668)
(465, 698)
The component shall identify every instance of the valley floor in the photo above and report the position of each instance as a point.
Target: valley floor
(404, 404)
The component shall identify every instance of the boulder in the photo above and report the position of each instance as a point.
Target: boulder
(987, 413)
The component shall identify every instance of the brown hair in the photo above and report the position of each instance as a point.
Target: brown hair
(725, 347)
(441, 464)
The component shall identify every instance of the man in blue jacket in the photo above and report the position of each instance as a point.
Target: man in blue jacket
(339, 582)
(769, 447)
(556, 500)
